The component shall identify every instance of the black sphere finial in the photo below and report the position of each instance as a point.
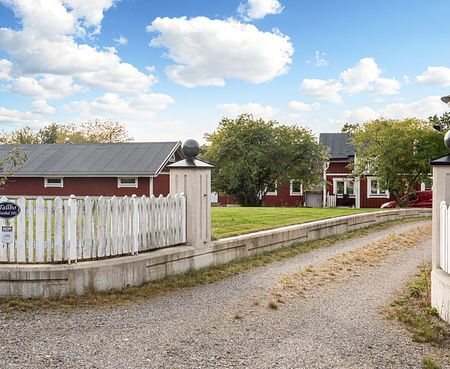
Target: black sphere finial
(447, 140)
(190, 149)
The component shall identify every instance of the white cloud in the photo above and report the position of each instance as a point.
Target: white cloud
(386, 86)
(361, 115)
(208, 51)
(328, 90)
(41, 106)
(365, 76)
(5, 69)
(91, 12)
(46, 45)
(319, 59)
(362, 77)
(258, 9)
(47, 87)
(257, 110)
(301, 106)
(112, 106)
(121, 40)
(15, 117)
(421, 109)
(438, 76)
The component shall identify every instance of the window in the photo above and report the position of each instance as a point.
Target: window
(342, 186)
(296, 188)
(272, 189)
(374, 189)
(53, 182)
(127, 182)
(172, 158)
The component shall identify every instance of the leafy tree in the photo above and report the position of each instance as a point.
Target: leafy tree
(23, 135)
(95, 131)
(104, 131)
(15, 159)
(251, 154)
(397, 152)
(443, 122)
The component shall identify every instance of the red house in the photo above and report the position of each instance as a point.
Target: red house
(92, 169)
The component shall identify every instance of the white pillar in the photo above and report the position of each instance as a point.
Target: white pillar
(193, 178)
(440, 280)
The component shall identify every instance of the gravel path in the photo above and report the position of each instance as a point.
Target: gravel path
(337, 326)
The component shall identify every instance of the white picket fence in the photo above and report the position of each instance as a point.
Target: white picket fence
(330, 201)
(67, 230)
(444, 229)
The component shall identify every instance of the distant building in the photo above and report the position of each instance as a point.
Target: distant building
(93, 169)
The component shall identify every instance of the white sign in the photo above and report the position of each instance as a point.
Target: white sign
(7, 234)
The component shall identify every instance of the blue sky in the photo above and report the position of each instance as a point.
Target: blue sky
(171, 69)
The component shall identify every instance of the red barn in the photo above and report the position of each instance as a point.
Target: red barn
(92, 169)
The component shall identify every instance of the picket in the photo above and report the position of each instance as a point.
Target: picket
(56, 230)
(21, 231)
(30, 242)
(48, 242)
(40, 217)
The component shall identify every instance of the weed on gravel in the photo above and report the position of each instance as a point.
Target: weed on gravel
(413, 308)
(188, 279)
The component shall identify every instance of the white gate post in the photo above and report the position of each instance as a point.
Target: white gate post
(72, 228)
(193, 178)
(440, 279)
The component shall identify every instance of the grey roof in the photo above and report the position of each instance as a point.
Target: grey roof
(338, 145)
(93, 160)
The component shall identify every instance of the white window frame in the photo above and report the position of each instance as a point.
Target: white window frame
(172, 158)
(379, 194)
(291, 188)
(53, 185)
(345, 180)
(273, 193)
(127, 185)
(423, 187)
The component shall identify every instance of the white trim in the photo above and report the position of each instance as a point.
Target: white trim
(357, 190)
(53, 185)
(127, 185)
(150, 190)
(345, 180)
(339, 174)
(291, 192)
(379, 194)
(174, 150)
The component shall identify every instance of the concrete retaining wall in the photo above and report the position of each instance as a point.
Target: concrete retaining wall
(33, 281)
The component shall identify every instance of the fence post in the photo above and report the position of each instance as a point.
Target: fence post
(193, 178)
(135, 224)
(72, 229)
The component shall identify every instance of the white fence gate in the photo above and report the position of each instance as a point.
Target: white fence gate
(65, 230)
(444, 229)
(330, 201)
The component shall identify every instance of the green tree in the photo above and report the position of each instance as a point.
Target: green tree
(397, 152)
(24, 135)
(95, 131)
(250, 155)
(15, 159)
(443, 122)
(107, 131)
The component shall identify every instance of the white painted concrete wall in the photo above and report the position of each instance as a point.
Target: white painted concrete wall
(32, 281)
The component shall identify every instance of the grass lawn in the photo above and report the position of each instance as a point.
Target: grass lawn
(233, 221)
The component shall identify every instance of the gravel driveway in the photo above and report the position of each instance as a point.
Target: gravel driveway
(229, 325)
